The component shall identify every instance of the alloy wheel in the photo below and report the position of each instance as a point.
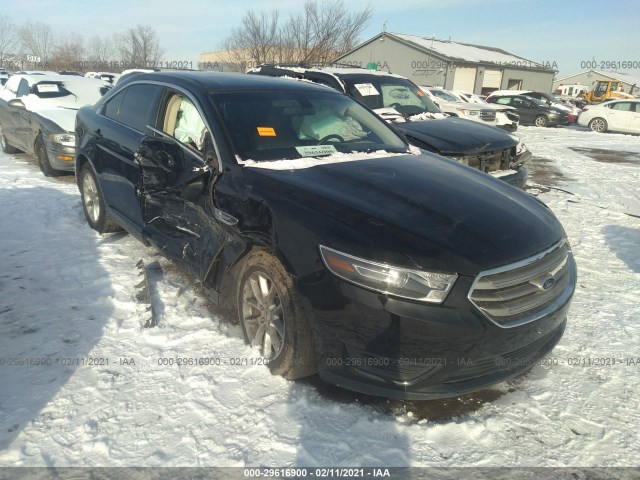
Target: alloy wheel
(263, 314)
(91, 197)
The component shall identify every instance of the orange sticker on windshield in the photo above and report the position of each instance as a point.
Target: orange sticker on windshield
(420, 93)
(266, 132)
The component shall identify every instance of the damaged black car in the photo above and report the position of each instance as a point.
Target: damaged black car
(344, 250)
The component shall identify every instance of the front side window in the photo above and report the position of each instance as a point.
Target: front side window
(23, 88)
(280, 125)
(183, 122)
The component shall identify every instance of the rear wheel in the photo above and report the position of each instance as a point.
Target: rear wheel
(93, 202)
(6, 146)
(273, 318)
(598, 125)
(43, 159)
(541, 121)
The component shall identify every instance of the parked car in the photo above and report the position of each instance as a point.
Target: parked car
(345, 250)
(614, 115)
(402, 103)
(112, 78)
(452, 105)
(551, 100)
(532, 111)
(507, 118)
(37, 116)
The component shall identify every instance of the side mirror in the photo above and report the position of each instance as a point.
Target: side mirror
(17, 103)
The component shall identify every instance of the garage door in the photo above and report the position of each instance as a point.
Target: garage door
(492, 79)
(464, 79)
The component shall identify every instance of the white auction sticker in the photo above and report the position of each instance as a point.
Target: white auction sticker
(366, 89)
(316, 150)
(47, 87)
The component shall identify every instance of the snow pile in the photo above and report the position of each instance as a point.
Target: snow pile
(187, 394)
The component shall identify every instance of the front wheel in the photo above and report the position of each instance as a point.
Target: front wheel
(273, 318)
(43, 159)
(93, 204)
(541, 121)
(598, 125)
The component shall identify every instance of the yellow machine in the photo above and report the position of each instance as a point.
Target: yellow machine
(605, 90)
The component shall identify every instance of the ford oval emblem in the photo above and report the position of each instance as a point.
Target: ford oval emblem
(548, 283)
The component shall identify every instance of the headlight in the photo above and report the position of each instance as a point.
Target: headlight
(521, 148)
(468, 112)
(400, 282)
(65, 139)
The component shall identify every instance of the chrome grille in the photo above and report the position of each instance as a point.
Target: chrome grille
(488, 115)
(527, 290)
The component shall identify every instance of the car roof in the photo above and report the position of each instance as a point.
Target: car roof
(226, 82)
(67, 79)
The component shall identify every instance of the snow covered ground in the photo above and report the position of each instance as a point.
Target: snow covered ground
(67, 298)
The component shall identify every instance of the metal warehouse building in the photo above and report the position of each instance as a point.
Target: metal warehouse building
(630, 83)
(452, 65)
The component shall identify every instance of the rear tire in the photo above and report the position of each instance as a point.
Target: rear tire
(598, 125)
(541, 121)
(43, 159)
(6, 146)
(273, 317)
(93, 203)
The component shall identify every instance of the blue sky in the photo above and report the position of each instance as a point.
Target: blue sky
(567, 32)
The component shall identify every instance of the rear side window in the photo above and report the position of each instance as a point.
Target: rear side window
(134, 107)
(112, 107)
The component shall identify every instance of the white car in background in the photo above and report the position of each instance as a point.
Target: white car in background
(616, 116)
(453, 106)
(507, 118)
(38, 115)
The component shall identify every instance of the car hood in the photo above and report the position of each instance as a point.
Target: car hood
(63, 117)
(441, 215)
(458, 136)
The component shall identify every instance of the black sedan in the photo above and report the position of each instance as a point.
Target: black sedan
(533, 111)
(344, 250)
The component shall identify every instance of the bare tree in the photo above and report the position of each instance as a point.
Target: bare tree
(8, 38)
(320, 33)
(68, 52)
(37, 39)
(99, 50)
(139, 47)
(255, 40)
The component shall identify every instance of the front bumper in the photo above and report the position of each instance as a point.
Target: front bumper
(378, 345)
(60, 157)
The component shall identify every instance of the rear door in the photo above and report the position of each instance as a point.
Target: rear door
(126, 116)
(635, 118)
(620, 115)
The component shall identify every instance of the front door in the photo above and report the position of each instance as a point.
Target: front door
(176, 186)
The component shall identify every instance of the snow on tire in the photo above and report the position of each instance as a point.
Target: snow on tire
(273, 317)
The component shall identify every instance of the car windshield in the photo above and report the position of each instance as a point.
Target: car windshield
(379, 91)
(277, 125)
(444, 95)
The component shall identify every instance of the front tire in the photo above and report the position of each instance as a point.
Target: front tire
(43, 159)
(6, 146)
(93, 204)
(598, 125)
(541, 121)
(273, 317)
